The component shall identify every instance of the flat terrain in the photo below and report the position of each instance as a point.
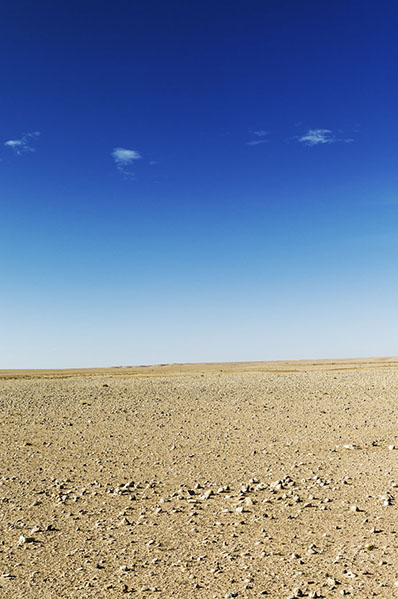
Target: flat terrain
(242, 480)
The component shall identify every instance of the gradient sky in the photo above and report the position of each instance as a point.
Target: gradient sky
(197, 181)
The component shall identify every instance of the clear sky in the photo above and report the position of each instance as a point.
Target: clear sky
(190, 181)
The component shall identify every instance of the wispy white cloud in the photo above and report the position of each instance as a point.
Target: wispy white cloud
(124, 159)
(260, 133)
(22, 145)
(315, 137)
(256, 142)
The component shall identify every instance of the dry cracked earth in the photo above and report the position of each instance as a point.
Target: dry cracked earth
(253, 480)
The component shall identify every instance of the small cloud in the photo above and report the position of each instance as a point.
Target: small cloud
(315, 137)
(124, 158)
(22, 145)
(153, 162)
(256, 142)
(260, 133)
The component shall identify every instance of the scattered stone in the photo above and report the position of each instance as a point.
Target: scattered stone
(23, 540)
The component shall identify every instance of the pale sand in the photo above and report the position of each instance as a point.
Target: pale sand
(188, 437)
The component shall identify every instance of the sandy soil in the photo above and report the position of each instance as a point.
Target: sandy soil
(200, 481)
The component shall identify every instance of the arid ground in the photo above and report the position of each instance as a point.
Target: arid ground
(200, 481)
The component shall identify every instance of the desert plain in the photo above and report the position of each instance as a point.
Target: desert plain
(207, 481)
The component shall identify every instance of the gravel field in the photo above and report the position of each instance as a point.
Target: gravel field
(200, 481)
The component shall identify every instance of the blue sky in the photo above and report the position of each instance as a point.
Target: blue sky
(197, 181)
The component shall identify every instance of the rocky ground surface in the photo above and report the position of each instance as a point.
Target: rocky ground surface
(201, 483)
